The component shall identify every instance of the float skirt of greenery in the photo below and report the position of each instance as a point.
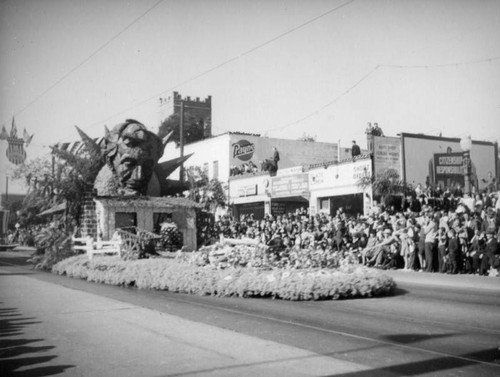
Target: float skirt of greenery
(179, 276)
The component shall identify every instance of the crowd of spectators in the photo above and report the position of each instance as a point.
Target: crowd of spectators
(244, 169)
(431, 232)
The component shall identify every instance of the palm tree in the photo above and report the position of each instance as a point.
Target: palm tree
(386, 185)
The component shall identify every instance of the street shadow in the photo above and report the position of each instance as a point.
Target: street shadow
(490, 356)
(397, 291)
(427, 367)
(15, 273)
(413, 338)
(19, 355)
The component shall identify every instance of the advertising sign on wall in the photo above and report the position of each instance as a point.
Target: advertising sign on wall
(419, 160)
(246, 148)
(292, 185)
(448, 169)
(387, 154)
(243, 150)
(345, 175)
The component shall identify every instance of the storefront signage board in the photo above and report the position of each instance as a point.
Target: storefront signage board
(292, 185)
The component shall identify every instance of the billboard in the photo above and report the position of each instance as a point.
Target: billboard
(246, 148)
(387, 154)
(448, 169)
(420, 165)
(291, 185)
(340, 175)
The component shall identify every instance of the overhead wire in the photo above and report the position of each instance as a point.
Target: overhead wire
(220, 65)
(371, 72)
(89, 57)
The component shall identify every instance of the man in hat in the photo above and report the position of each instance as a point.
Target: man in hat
(491, 253)
(490, 221)
(430, 230)
(383, 248)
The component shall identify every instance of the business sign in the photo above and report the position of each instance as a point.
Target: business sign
(448, 169)
(387, 154)
(292, 185)
(243, 150)
(348, 174)
(248, 190)
(419, 160)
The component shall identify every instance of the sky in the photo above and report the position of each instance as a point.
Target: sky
(284, 69)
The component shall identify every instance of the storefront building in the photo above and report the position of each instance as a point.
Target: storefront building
(339, 185)
(322, 188)
(434, 160)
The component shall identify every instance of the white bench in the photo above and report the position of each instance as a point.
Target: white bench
(92, 247)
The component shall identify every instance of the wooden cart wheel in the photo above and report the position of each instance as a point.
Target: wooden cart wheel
(132, 249)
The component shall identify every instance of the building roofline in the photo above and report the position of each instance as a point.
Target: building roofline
(442, 138)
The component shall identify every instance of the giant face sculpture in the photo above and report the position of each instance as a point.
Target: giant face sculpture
(132, 153)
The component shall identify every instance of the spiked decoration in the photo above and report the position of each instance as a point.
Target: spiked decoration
(92, 147)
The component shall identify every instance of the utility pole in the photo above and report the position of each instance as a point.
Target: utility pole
(6, 191)
(181, 141)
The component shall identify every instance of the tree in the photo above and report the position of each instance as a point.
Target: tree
(208, 192)
(306, 137)
(37, 176)
(194, 129)
(386, 184)
(62, 177)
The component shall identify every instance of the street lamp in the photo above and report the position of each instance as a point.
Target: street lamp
(466, 145)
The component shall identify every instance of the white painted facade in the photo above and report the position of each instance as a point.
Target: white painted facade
(322, 189)
(219, 153)
(339, 180)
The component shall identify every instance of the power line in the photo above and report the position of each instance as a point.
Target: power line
(224, 63)
(102, 47)
(376, 68)
(315, 112)
(446, 65)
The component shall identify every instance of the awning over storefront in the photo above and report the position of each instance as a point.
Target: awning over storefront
(294, 199)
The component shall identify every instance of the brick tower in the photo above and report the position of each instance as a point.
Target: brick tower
(200, 109)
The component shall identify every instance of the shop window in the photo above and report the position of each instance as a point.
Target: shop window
(125, 219)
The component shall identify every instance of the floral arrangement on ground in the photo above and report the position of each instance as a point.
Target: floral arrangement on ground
(181, 275)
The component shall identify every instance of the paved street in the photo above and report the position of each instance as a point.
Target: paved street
(435, 325)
